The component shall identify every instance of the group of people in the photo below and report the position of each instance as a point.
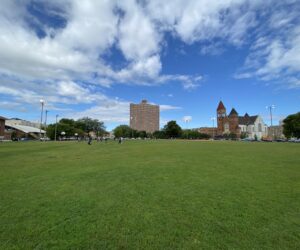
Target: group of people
(90, 139)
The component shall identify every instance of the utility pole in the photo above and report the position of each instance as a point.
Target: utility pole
(42, 110)
(270, 108)
(213, 120)
(55, 127)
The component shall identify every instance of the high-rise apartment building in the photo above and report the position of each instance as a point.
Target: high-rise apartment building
(144, 117)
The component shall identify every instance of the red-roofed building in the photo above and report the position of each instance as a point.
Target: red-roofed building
(251, 126)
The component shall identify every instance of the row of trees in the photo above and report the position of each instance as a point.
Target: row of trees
(291, 126)
(170, 130)
(81, 127)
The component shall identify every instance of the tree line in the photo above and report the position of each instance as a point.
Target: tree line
(81, 127)
(170, 130)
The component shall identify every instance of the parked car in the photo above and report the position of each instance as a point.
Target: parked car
(44, 139)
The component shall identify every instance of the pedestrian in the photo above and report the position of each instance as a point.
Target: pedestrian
(90, 140)
(120, 140)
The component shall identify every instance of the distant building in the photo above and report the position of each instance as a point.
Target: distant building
(276, 132)
(251, 126)
(2, 126)
(17, 121)
(144, 117)
(22, 131)
(208, 130)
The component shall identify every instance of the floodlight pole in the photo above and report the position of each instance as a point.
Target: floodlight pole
(271, 107)
(42, 110)
(46, 114)
(55, 127)
(213, 120)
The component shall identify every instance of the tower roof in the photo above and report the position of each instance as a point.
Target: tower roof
(233, 112)
(221, 106)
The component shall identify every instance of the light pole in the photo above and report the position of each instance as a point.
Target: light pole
(46, 114)
(45, 125)
(187, 119)
(63, 134)
(213, 121)
(42, 110)
(270, 108)
(55, 127)
(131, 123)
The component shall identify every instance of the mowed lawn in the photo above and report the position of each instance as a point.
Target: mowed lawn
(149, 195)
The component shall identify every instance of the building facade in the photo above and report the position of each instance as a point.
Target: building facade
(212, 132)
(276, 132)
(250, 126)
(17, 121)
(2, 126)
(144, 117)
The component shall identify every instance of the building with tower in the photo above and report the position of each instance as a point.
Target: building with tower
(250, 126)
(144, 117)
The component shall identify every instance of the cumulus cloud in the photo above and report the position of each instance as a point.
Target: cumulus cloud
(63, 55)
(275, 54)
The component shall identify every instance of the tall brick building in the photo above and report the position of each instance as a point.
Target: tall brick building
(144, 117)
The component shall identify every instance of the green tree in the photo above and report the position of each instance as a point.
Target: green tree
(291, 126)
(232, 136)
(244, 135)
(143, 134)
(172, 130)
(123, 131)
(88, 124)
(160, 134)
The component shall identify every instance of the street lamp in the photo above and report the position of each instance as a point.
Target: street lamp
(45, 125)
(213, 121)
(63, 133)
(46, 114)
(187, 119)
(270, 108)
(55, 127)
(131, 126)
(42, 110)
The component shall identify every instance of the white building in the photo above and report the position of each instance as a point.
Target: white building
(17, 121)
(253, 126)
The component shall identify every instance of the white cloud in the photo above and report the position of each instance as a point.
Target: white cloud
(66, 64)
(168, 107)
(275, 59)
(187, 118)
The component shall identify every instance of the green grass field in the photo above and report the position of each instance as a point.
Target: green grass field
(149, 195)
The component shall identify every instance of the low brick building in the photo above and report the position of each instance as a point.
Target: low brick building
(212, 132)
(2, 126)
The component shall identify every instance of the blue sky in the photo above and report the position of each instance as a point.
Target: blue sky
(92, 58)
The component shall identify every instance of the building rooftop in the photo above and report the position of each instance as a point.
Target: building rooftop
(247, 120)
(233, 112)
(221, 106)
(26, 129)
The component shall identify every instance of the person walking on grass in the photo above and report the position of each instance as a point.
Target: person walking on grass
(90, 140)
